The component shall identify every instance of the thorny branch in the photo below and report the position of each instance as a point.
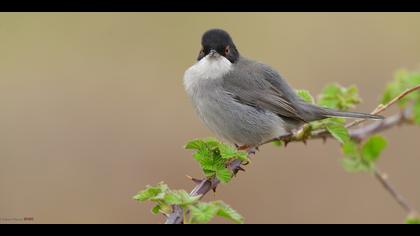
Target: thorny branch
(403, 117)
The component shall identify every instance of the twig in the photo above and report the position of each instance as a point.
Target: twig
(206, 185)
(383, 179)
(361, 133)
(382, 108)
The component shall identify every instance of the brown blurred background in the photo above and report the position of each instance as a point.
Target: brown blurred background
(92, 109)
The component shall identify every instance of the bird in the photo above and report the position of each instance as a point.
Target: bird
(246, 102)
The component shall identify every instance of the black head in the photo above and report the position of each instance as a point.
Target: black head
(219, 41)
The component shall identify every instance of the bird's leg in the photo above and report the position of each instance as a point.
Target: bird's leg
(243, 147)
(250, 149)
(287, 138)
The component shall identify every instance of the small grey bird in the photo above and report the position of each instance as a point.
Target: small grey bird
(246, 102)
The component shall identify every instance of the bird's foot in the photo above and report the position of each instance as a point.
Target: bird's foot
(243, 147)
(286, 139)
(251, 150)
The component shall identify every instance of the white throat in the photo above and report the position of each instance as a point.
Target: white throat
(205, 69)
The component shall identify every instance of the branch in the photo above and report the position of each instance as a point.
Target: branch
(382, 108)
(383, 179)
(206, 185)
(202, 188)
(398, 119)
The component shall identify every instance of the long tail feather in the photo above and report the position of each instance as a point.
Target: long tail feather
(345, 114)
(313, 112)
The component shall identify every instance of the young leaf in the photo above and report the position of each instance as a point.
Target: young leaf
(339, 97)
(278, 143)
(329, 96)
(229, 213)
(306, 96)
(353, 162)
(339, 132)
(202, 154)
(212, 144)
(156, 209)
(403, 80)
(180, 197)
(202, 213)
(213, 163)
(196, 144)
(224, 175)
(209, 173)
(227, 152)
(356, 165)
(392, 90)
(373, 148)
(152, 192)
(350, 149)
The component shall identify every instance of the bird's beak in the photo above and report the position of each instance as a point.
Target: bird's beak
(213, 53)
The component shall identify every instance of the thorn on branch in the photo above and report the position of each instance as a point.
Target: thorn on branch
(195, 180)
(241, 169)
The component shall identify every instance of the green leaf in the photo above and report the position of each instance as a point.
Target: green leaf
(373, 148)
(339, 132)
(353, 165)
(278, 143)
(209, 173)
(152, 192)
(213, 157)
(338, 97)
(306, 96)
(196, 144)
(403, 80)
(350, 149)
(202, 213)
(224, 175)
(212, 163)
(413, 220)
(353, 161)
(391, 91)
(202, 154)
(173, 198)
(228, 152)
(212, 143)
(416, 111)
(180, 197)
(229, 213)
(156, 209)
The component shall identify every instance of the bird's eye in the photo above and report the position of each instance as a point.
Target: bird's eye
(227, 50)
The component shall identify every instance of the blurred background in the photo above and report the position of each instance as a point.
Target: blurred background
(92, 109)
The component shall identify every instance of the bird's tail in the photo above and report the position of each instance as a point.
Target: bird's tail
(323, 112)
(345, 114)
